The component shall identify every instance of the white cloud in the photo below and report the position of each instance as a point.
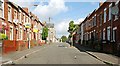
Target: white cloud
(78, 21)
(53, 8)
(62, 26)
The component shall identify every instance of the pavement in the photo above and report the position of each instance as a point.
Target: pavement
(0, 52)
(106, 58)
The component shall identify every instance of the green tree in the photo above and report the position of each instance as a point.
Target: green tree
(64, 38)
(44, 33)
(70, 35)
(71, 27)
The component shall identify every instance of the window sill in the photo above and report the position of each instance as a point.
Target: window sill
(115, 19)
(104, 22)
(109, 20)
(2, 18)
(10, 21)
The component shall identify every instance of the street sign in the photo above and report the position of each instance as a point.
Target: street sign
(35, 30)
(27, 25)
(115, 10)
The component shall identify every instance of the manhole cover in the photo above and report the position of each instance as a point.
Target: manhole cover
(61, 46)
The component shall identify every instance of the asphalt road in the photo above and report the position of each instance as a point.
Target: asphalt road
(59, 53)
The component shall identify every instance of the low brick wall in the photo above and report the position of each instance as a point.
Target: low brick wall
(32, 43)
(107, 48)
(21, 45)
(8, 46)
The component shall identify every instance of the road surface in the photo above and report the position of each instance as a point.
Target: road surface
(59, 53)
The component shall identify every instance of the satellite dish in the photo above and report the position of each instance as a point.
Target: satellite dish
(115, 10)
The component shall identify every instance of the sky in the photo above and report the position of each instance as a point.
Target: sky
(60, 11)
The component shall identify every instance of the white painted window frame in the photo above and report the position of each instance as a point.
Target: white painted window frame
(115, 28)
(2, 8)
(11, 34)
(110, 14)
(10, 16)
(105, 15)
(15, 14)
(108, 35)
(104, 34)
(116, 17)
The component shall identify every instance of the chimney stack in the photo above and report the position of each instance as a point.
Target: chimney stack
(100, 4)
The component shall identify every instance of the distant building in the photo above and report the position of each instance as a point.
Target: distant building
(51, 32)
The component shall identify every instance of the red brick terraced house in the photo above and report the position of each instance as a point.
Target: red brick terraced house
(16, 19)
(3, 24)
(102, 28)
(36, 27)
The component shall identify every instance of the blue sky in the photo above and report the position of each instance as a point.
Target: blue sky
(60, 11)
(77, 10)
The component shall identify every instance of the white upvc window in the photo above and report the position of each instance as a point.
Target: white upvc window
(114, 33)
(23, 17)
(100, 19)
(15, 14)
(95, 20)
(20, 17)
(90, 35)
(108, 33)
(110, 6)
(9, 13)
(104, 15)
(104, 34)
(116, 3)
(20, 33)
(2, 8)
(27, 19)
(11, 32)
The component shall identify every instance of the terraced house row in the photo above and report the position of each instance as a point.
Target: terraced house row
(101, 28)
(22, 28)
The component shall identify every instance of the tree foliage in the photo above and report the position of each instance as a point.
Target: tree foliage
(44, 33)
(70, 35)
(3, 36)
(64, 38)
(71, 26)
